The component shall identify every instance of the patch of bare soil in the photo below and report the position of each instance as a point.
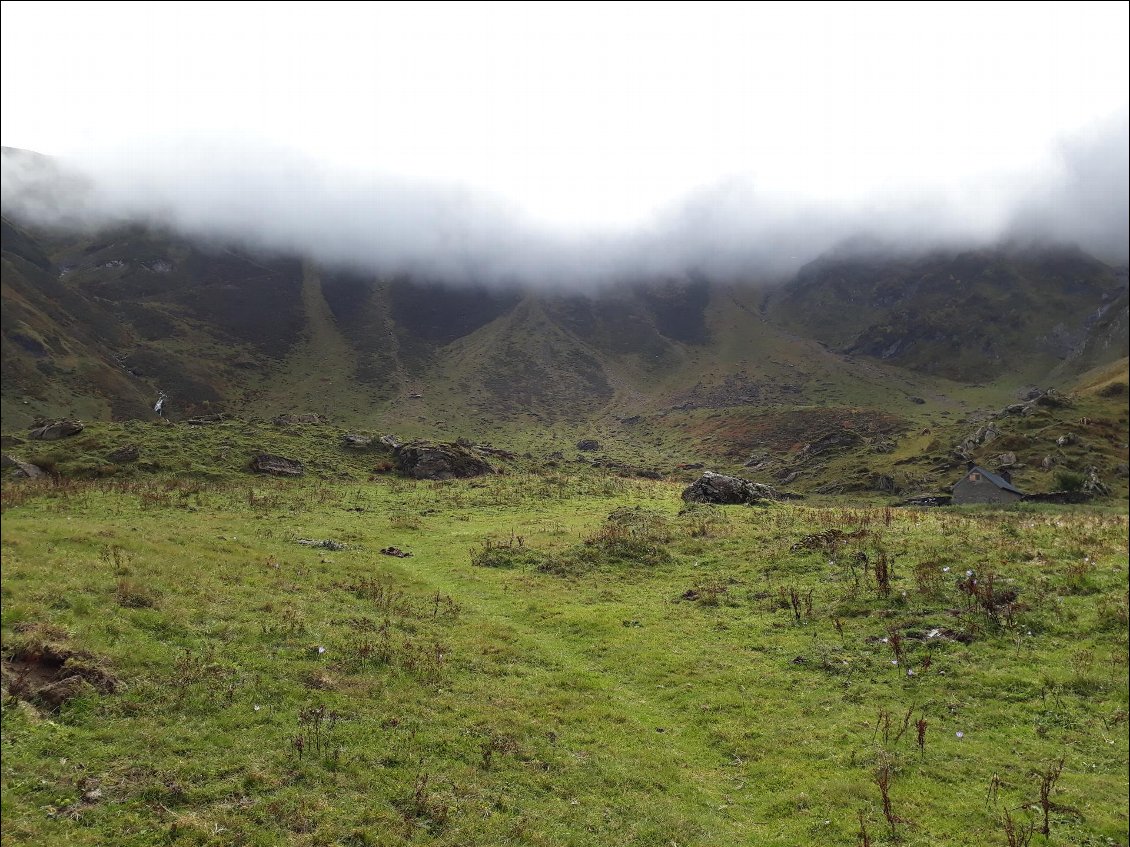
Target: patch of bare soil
(41, 667)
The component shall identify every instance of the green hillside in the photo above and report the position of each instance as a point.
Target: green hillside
(567, 657)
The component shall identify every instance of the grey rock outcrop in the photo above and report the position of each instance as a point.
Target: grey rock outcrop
(20, 468)
(728, 490)
(56, 430)
(1005, 460)
(267, 463)
(425, 460)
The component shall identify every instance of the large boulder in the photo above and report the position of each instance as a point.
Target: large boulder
(588, 444)
(424, 460)
(276, 465)
(56, 430)
(728, 490)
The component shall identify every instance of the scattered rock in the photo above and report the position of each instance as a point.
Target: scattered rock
(588, 445)
(918, 401)
(352, 441)
(1032, 400)
(1094, 485)
(1048, 462)
(928, 500)
(830, 441)
(56, 430)
(424, 460)
(389, 441)
(1052, 399)
(324, 544)
(395, 551)
(206, 420)
(20, 468)
(690, 466)
(125, 453)
(631, 421)
(305, 418)
(276, 465)
(728, 490)
(1005, 460)
(1066, 440)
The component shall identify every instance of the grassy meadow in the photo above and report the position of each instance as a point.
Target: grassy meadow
(565, 658)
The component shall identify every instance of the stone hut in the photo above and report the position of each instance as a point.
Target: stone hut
(982, 486)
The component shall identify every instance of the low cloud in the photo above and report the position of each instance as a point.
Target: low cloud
(275, 201)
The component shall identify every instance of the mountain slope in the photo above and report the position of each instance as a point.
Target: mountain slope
(971, 316)
(829, 376)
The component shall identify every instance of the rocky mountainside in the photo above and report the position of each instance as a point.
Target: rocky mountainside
(856, 375)
(102, 324)
(971, 316)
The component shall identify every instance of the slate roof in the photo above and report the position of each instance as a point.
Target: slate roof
(998, 481)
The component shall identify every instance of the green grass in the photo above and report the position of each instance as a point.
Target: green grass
(630, 675)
